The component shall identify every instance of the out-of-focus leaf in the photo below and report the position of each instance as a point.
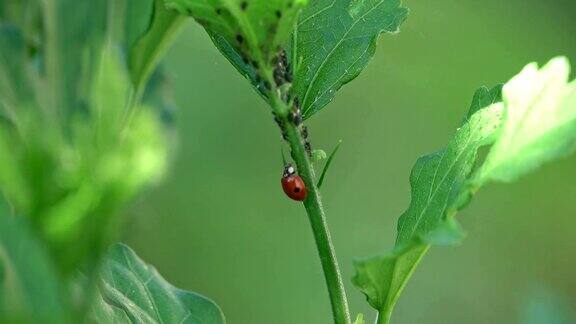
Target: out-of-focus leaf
(334, 41)
(15, 89)
(13, 11)
(138, 18)
(30, 290)
(68, 165)
(257, 29)
(146, 49)
(16, 97)
(131, 289)
(539, 124)
(69, 50)
(535, 123)
(108, 173)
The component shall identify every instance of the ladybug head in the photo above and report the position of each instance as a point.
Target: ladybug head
(288, 170)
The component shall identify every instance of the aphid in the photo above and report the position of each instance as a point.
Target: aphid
(282, 70)
(279, 77)
(296, 116)
(282, 58)
(296, 103)
(308, 148)
(304, 132)
(292, 184)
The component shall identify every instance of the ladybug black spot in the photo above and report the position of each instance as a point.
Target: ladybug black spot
(297, 189)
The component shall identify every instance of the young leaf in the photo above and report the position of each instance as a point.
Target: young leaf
(360, 319)
(137, 289)
(147, 46)
(334, 41)
(257, 29)
(534, 124)
(539, 124)
(327, 165)
(29, 289)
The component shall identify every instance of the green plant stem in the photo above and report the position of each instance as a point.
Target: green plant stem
(315, 210)
(384, 318)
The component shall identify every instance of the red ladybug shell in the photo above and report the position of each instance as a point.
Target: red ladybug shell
(293, 185)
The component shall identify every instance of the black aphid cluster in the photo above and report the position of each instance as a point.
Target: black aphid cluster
(283, 76)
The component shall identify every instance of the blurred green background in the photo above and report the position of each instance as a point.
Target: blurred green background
(219, 224)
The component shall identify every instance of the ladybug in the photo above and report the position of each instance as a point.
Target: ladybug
(293, 185)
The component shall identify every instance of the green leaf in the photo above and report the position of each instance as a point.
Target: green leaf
(257, 29)
(539, 124)
(30, 290)
(535, 123)
(438, 184)
(147, 48)
(242, 65)
(333, 43)
(484, 97)
(130, 286)
(328, 163)
(360, 319)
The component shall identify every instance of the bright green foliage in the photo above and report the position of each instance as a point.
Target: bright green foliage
(539, 125)
(69, 163)
(533, 125)
(257, 29)
(133, 292)
(29, 284)
(72, 158)
(334, 41)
